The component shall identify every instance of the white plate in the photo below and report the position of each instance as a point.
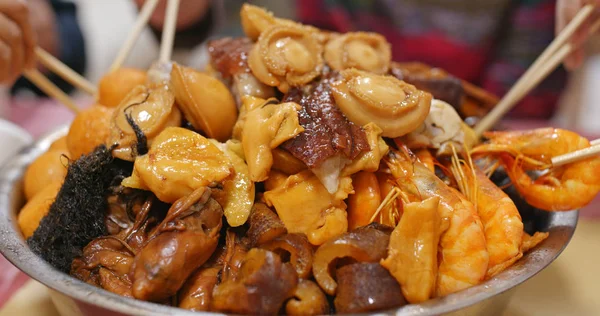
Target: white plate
(12, 140)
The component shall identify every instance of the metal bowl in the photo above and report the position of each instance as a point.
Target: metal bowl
(73, 297)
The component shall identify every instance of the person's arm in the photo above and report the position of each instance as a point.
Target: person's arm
(55, 23)
(17, 39)
(527, 31)
(565, 12)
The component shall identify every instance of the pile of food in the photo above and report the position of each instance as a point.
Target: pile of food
(302, 172)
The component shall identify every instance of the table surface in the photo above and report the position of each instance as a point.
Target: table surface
(567, 287)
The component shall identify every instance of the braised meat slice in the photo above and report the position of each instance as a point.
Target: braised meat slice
(327, 132)
(229, 56)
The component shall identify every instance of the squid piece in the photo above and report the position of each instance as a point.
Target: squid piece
(175, 154)
(395, 106)
(237, 195)
(184, 241)
(263, 285)
(369, 161)
(360, 50)
(264, 225)
(305, 206)
(295, 247)
(286, 56)
(144, 113)
(196, 293)
(442, 129)
(206, 102)
(366, 287)
(413, 250)
(308, 299)
(364, 244)
(265, 128)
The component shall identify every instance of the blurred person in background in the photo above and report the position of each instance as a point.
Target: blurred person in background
(49, 24)
(489, 43)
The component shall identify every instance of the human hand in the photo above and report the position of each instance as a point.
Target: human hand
(565, 12)
(17, 40)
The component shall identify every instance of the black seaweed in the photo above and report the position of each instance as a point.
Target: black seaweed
(77, 215)
(141, 147)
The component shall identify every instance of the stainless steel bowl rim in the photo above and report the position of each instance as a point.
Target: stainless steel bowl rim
(14, 248)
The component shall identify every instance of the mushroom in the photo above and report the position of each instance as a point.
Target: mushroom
(295, 247)
(286, 55)
(360, 50)
(395, 106)
(264, 225)
(205, 101)
(262, 286)
(366, 287)
(175, 154)
(308, 299)
(364, 244)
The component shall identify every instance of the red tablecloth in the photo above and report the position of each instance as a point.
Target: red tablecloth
(39, 118)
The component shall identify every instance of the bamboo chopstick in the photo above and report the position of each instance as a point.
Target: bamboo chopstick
(135, 33)
(50, 89)
(64, 71)
(576, 156)
(556, 52)
(168, 32)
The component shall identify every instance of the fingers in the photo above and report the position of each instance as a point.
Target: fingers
(18, 11)
(5, 55)
(575, 60)
(566, 10)
(10, 35)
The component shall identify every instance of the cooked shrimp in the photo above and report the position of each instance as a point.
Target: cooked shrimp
(464, 257)
(365, 201)
(561, 189)
(426, 158)
(500, 217)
